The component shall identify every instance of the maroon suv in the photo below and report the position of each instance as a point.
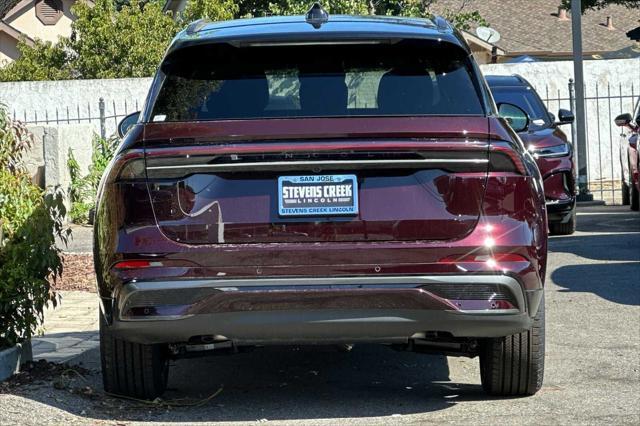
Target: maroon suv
(320, 180)
(630, 156)
(549, 146)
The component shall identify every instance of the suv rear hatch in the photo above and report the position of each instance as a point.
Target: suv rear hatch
(289, 143)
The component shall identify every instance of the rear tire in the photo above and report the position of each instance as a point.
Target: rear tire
(514, 365)
(131, 369)
(567, 228)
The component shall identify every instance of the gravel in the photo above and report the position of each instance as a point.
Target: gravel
(78, 273)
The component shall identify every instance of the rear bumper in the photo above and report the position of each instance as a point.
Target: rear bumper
(560, 211)
(323, 310)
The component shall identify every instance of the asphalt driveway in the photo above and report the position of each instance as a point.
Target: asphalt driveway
(592, 374)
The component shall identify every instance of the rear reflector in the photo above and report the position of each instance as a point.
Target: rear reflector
(136, 264)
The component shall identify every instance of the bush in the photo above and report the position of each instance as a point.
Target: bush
(84, 188)
(30, 219)
(14, 141)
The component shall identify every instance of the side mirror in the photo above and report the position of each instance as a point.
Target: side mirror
(515, 116)
(565, 116)
(623, 120)
(127, 123)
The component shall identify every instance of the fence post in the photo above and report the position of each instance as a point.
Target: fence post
(572, 106)
(103, 130)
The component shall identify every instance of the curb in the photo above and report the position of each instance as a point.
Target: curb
(590, 203)
(11, 359)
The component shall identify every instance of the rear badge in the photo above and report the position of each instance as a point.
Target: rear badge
(321, 195)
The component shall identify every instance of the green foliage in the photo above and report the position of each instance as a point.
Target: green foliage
(30, 219)
(83, 189)
(15, 139)
(461, 18)
(296, 7)
(42, 61)
(128, 43)
(217, 10)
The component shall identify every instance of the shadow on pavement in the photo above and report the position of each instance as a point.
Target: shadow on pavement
(604, 219)
(612, 242)
(616, 282)
(285, 384)
(617, 247)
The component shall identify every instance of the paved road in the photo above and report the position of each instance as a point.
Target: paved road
(592, 375)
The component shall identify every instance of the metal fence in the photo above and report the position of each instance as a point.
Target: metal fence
(603, 103)
(105, 116)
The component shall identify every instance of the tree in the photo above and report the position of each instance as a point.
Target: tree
(42, 61)
(461, 17)
(216, 10)
(107, 43)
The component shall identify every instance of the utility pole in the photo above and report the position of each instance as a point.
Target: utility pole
(581, 129)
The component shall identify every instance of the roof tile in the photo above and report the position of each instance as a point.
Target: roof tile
(533, 26)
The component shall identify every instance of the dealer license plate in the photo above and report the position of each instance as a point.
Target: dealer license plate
(319, 195)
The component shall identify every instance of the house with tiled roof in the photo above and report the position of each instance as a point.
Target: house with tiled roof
(31, 19)
(541, 30)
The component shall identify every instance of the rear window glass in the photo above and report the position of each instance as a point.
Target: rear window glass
(218, 82)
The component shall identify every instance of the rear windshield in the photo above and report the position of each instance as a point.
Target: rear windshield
(218, 82)
(525, 98)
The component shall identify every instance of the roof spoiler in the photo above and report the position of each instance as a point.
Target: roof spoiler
(442, 24)
(196, 26)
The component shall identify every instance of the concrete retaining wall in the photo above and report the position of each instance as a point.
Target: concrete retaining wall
(47, 160)
(74, 101)
(12, 358)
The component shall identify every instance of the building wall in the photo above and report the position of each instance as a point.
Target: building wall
(28, 23)
(8, 49)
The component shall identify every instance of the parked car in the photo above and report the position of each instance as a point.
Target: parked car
(321, 180)
(549, 146)
(630, 156)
